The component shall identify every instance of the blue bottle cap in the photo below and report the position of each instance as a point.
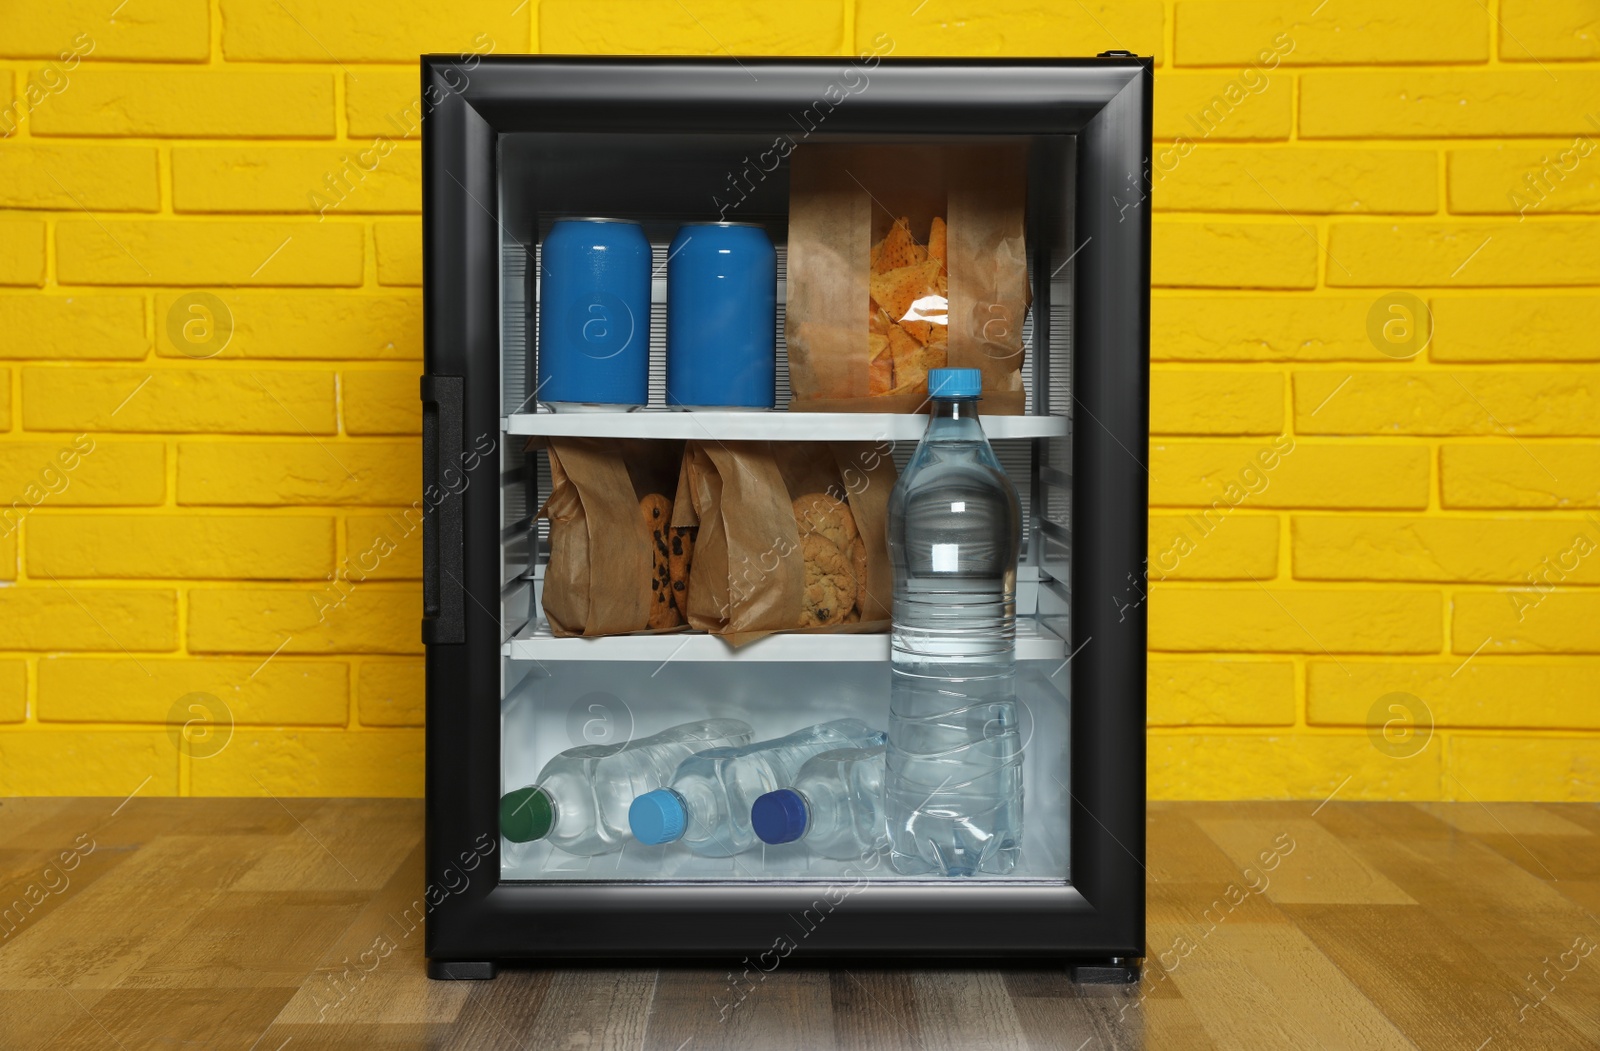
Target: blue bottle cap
(779, 817)
(657, 817)
(955, 383)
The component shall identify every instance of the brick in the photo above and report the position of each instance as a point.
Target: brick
(1432, 104)
(1517, 475)
(1356, 32)
(1220, 692)
(80, 471)
(299, 325)
(717, 27)
(1482, 693)
(1523, 768)
(52, 617)
(1535, 29)
(1254, 619)
(54, 327)
(207, 547)
(368, 618)
(320, 180)
(314, 763)
(1481, 401)
(112, 763)
(8, 547)
(71, 178)
(1260, 328)
(399, 248)
(1311, 475)
(1190, 547)
(1189, 254)
(1201, 107)
(383, 547)
(1525, 621)
(1212, 401)
(1309, 766)
(254, 401)
(997, 27)
(381, 102)
(21, 252)
(1463, 254)
(1515, 328)
(305, 31)
(14, 691)
(1508, 179)
(273, 474)
(1482, 550)
(191, 104)
(390, 692)
(166, 30)
(1217, 178)
(282, 691)
(380, 402)
(5, 399)
(204, 252)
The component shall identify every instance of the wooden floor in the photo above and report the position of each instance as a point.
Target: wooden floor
(255, 924)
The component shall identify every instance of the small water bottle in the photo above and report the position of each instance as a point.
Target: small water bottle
(953, 788)
(580, 802)
(835, 806)
(708, 803)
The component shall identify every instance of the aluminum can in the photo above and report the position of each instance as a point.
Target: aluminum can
(722, 316)
(594, 315)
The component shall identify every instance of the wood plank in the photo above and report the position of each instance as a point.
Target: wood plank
(1302, 863)
(151, 1019)
(340, 846)
(1437, 989)
(959, 1010)
(874, 1009)
(742, 1007)
(114, 925)
(1265, 985)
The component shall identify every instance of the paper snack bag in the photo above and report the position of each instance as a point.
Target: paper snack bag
(903, 259)
(792, 536)
(610, 511)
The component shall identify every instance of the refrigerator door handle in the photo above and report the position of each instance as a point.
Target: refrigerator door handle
(443, 483)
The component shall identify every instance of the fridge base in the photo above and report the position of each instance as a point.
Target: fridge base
(1115, 971)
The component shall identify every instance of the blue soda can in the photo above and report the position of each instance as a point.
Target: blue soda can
(722, 316)
(594, 315)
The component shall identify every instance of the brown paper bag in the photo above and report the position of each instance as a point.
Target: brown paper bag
(598, 579)
(749, 576)
(845, 203)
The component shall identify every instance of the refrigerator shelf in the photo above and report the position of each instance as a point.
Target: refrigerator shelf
(1034, 642)
(765, 426)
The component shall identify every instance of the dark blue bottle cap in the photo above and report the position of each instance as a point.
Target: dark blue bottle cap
(955, 383)
(780, 817)
(657, 817)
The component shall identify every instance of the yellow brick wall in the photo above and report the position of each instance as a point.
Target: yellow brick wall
(1339, 517)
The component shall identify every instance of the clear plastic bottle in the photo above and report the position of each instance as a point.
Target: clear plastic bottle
(953, 788)
(708, 803)
(835, 806)
(580, 802)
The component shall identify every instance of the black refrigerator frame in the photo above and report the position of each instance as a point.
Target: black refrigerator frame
(475, 922)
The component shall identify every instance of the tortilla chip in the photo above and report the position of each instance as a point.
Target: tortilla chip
(936, 243)
(903, 286)
(921, 331)
(897, 249)
(907, 354)
(880, 368)
(878, 321)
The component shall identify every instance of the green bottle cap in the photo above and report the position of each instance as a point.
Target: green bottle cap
(526, 814)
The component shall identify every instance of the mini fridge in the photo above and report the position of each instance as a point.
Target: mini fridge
(512, 144)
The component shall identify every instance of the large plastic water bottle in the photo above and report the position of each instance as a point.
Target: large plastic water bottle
(835, 806)
(953, 789)
(580, 802)
(708, 803)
